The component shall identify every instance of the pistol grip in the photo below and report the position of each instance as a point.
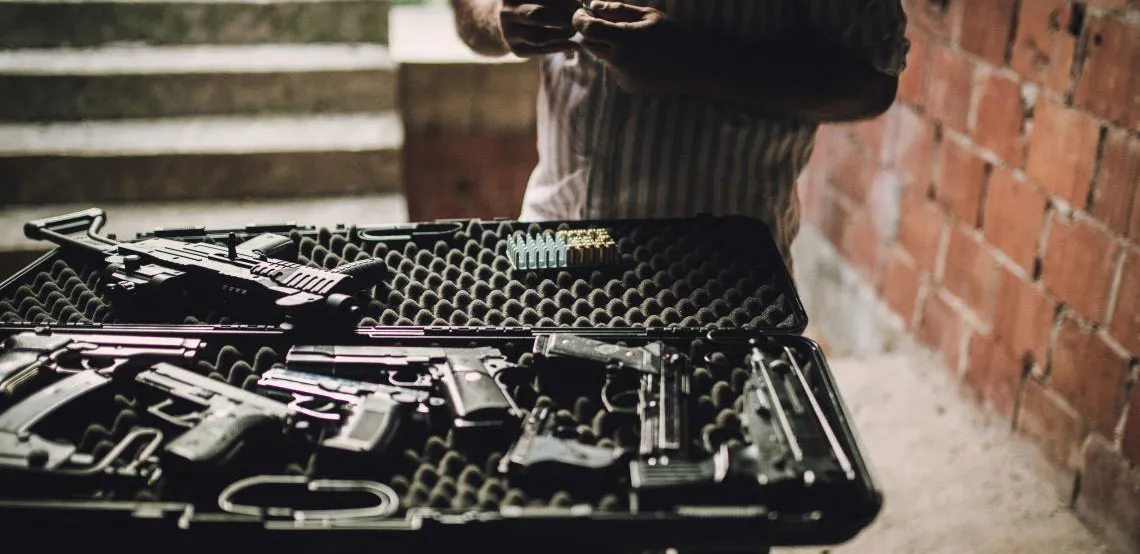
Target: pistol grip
(550, 450)
(15, 369)
(475, 398)
(550, 461)
(371, 426)
(218, 439)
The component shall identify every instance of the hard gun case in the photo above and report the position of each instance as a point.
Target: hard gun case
(714, 279)
(446, 499)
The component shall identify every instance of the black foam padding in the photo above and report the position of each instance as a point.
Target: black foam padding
(704, 272)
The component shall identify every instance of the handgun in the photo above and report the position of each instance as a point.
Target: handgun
(367, 415)
(223, 418)
(27, 359)
(541, 456)
(22, 449)
(806, 431)
(468, 379)
(662, 377)
(792, 450)
(156, 278)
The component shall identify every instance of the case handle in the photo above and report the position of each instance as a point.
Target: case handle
(388, 502)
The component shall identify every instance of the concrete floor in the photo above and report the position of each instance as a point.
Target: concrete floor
(954, 482)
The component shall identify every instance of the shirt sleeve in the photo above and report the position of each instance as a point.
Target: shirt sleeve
(874, 30)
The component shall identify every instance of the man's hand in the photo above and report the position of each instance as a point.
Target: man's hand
(641, 46)
(537, 27)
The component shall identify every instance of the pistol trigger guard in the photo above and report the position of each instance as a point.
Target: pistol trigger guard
(181, 421)
(608, 400)
(298, 406)
(388, 502)
(395, 381)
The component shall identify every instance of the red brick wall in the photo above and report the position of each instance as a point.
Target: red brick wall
(996, 209)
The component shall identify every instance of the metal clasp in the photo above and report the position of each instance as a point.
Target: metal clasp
(388, 502)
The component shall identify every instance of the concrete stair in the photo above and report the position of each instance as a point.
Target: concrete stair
(182, 113)
(200, 158)
(114, 82)
(157, 100)
(56, 23)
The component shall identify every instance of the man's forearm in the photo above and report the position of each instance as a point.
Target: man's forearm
(818, 83)
(477, 22)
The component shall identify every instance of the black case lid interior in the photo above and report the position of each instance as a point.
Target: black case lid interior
(700, 272)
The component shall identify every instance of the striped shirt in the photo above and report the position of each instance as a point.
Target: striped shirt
(605, 154)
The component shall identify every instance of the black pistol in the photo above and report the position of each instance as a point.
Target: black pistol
(792, 457)
(157, 277)
(222, 419)
(543, 457)
(367, 416)
(468, 379)
(662, 377)
(27, 359)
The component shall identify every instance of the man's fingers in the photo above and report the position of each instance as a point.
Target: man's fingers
(593, 28)
(536, 15)
(618, 11)
(601, 30)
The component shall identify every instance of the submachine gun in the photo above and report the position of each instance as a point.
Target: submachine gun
(157, 277)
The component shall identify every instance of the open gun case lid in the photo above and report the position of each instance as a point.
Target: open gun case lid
(164, 518)
(693, 273)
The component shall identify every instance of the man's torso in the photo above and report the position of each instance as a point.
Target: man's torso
(607, 154)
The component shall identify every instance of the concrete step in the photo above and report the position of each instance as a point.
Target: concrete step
(200, 158)
(124, 220)
(63, 84)
(50, 23)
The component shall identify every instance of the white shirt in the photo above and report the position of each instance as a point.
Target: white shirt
(606, 154)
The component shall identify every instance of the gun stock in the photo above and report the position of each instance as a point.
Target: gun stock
(74, 230)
